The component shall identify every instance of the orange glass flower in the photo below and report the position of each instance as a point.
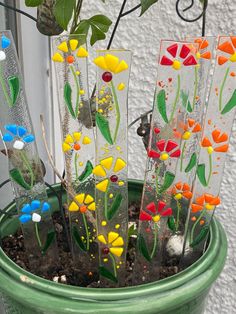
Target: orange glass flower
(181, 190)
(190, 127)
(228, 47)
(218, 138)
(207, 201)
(201, 53)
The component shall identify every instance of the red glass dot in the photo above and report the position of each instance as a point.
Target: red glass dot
(106, 250)
(107, 77)
(114, 178)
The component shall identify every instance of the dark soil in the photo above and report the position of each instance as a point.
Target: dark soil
(66, 273)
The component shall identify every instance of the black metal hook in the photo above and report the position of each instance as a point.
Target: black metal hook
(188, 8)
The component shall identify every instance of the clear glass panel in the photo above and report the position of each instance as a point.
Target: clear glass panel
(25, 167)
(113, 68)
(78, 145)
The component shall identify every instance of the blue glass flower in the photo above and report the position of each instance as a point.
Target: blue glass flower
(28, 211)
(18, 135)
(5, 43)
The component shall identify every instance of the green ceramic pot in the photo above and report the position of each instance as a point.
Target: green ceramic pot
(184, 293)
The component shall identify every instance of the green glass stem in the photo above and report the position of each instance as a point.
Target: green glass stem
(176, 99)
(195, 86)
(113, 264)
(182, 156)
(4, 88)
(117, 111)
(222, 89)
(26, 162)
(195, 225)
(86, 231)
(155, 241)
(178, 214)
(37, 235)
(76, 166)
(210, 169)
(77, 90)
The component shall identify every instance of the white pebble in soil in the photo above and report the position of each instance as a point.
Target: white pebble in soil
(174, 246)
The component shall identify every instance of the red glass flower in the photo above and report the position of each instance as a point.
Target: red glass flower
(166, 149)
(155, 212)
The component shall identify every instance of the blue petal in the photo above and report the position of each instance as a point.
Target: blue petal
(45, 207)
(21, 131)
(7, 137)
(5, 42)
(26, 209)
(11, 128)
(35, 205)
(25, 218)
(28, 139)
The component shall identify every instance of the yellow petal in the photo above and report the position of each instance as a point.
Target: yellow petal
(112, 236)
(80, 198)
(118, 242)
(92, 206)
(69, 139)
(73, 207)
(88, 199)
(116, 251)
(102, 239)
(57, 57)
(63, 47)
(77, 136)
(82, 52)
(99, 171)
(66, 147)
(121, 86)
(73, 44)
(100, 62)
(86, 140)
(107, 162)
(121, 67)
(111, 62)
(119, 165)
(102, 186)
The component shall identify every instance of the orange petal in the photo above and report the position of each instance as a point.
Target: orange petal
(226, 47)
(222, 60)
(204, 44)
(196, 208)
(215, 135)
(198, 40)
(178, 185)
(200, 200)
(206, 142)
(233, 39)
(206, 55)
(208, 197)
(191, 122)
(188, 194)
(222, 138)
(186, 187)
(177, 134)
(197, 128)
(222, 149)
(215, 201)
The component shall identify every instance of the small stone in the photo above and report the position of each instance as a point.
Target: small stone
(175, 244)
(18, 145)
(107, 77)
(63, 278)
(36, 217)
(55, 279)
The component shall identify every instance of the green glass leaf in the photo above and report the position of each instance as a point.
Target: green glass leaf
(201, 236)
(146, 4)
(67, 97)
(201, 174)
(77, 239)
(143, 248)
(185, 101)
(62, 11)
(161, 104)
(168, 180)
(114, 207)
(107, 274)
(192, 163)
(17, 176)
(33, 3)
(87, 171)
(14, 85)
(230, 104)
(171, 223)
(50, 237)
(103, 125)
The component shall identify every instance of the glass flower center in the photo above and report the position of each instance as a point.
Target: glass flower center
(83, 209)
(70, 59)
(178, 196)
(176, 65)
(114, 178)
(77, 146)
(209, 206)
(210, 150)
(106, 250)
(18, 145)
(156, 218)
(198, 55)
(107, 77)
(186, 135)
(164, 156)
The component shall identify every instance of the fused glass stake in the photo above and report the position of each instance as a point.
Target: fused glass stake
(25, 167)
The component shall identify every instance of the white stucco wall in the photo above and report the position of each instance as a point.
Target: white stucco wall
(142, 36)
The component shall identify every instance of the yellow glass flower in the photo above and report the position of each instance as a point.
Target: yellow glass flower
(69, 52)
(83, 203)
(114, 243)
(72, 142)
(111, 63)
(104, 167)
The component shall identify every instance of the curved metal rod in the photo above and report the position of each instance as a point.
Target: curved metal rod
(189, 7)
